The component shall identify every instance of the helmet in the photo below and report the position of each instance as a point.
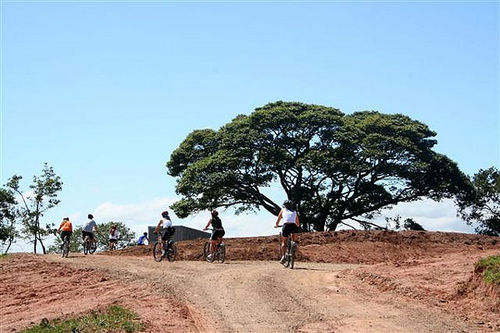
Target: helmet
(288, 205)
(214, 213)
(90, 216)
(164, 214)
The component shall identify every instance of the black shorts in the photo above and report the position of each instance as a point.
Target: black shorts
(86, 233)
(217, 233)
(65, 234)
(113, 241)
(289, 228)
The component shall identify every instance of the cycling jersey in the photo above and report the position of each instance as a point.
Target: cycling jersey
(89, 227)
(216, 223)
(288, 216)
(165, 223)
(66, 226)
(114, 235)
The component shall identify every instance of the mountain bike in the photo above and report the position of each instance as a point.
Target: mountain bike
(162, 249)
(89, 246)
(291, 249)
(219, 252)
(65, 247)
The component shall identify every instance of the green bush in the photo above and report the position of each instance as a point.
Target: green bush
(490, 267)
(115, 318)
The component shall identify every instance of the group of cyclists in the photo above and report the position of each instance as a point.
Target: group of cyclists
(89, 229)
(288, 216)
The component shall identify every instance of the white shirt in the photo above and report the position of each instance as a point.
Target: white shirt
(116, 235)
(165, 223)
(89, 227)
(288, 215)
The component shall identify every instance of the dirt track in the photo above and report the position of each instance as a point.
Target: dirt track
(232, 297)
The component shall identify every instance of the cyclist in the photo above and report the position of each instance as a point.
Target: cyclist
(89, 228)
(217, 231)
(66, 229)
(168, 230)
(142, 240)
(290, 225)
(114, 235)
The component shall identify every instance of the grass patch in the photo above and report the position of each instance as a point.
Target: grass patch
(113, 319)
(3, 255)
(490, 267)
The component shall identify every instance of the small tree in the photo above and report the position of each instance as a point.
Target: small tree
(482, 205)
(41, 198)
(407, 224)
(8, 218)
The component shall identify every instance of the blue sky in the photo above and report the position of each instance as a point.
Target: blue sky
(104, 92)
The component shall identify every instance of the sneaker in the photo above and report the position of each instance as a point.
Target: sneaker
(282, 260)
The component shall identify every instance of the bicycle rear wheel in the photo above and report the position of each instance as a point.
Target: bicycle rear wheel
(206, 250)
(292, 254)
(65, 249)
(157, 252)
(172, 252)
(86, 246)
(222, 253)
(92, 247)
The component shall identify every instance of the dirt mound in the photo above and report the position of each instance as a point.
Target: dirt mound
(478, 290)
(32, 288)
(353, 247)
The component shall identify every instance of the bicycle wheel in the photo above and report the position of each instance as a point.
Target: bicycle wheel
(85, 246)
(292, 254)
(92, 247)
(288, 253)
(65, 249)
(157, 252)
(206, 250)
(172, 252)
(222, 253)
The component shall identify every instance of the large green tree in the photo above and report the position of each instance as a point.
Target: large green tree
(41, 197)
(333, 166)
(483, 204)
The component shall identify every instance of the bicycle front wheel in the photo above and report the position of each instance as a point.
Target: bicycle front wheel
(157, 252)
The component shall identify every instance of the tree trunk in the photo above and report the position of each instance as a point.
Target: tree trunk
(34, 245)
(8, 247)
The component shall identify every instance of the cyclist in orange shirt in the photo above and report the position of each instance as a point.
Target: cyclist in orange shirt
(66, 229)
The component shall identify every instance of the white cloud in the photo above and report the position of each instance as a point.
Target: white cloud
(432, 215)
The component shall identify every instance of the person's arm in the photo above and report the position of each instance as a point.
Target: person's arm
(157, 227)
(62, 223)
(297, 219)
(208, 224)
(280, 216)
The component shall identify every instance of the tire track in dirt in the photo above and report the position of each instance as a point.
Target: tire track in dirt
(265, 297)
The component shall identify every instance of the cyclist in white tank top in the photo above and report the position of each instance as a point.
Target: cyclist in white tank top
(291, 224)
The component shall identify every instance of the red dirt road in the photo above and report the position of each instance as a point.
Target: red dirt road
(418, 293)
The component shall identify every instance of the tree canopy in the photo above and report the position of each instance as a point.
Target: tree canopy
(331, 165)
(482, 205)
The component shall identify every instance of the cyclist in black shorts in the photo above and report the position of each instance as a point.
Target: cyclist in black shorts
(217, 231)
(290, 224)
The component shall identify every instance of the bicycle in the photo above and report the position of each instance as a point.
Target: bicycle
(162, 249)
(112, 245)
(291, 249)
(219, 252)
(89, 247)
(65, 247)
